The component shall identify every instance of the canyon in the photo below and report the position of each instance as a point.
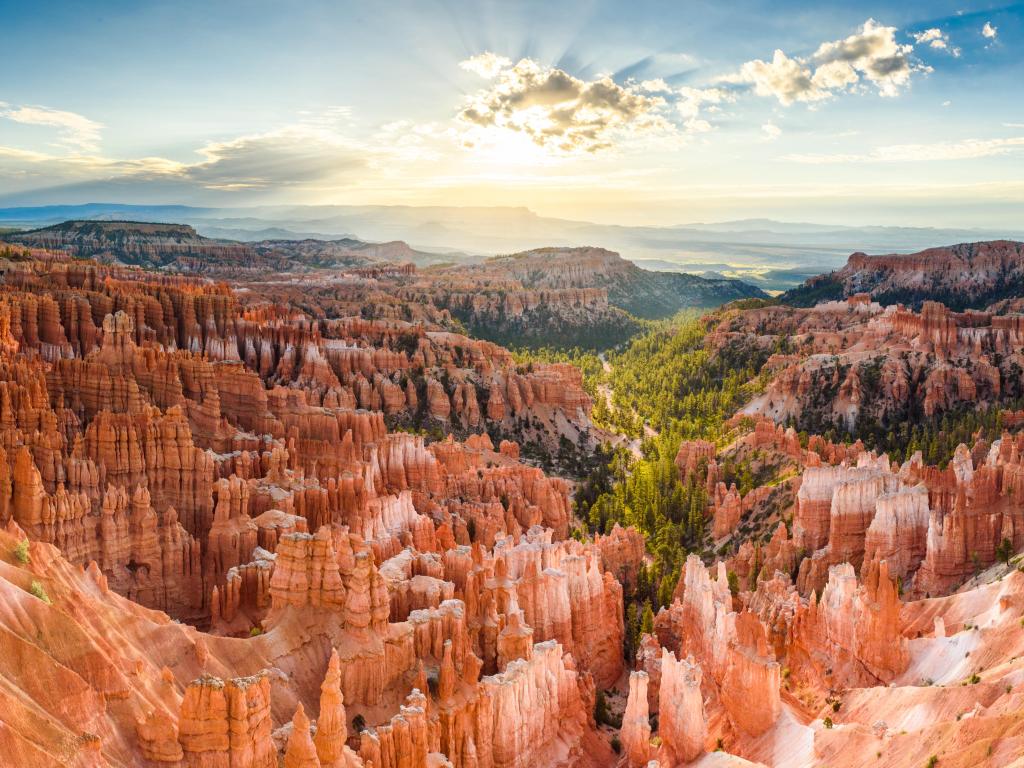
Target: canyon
(256, 517)
(565, 297)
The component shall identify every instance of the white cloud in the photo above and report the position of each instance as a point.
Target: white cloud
(76, 133)
(935, 38)
(559, 112)
(292, 155)
(989, 30)
(487, 65)
(946, 103)
(564, 114)
(771, 131)
(657, 85)
(874, 53)
(870, 54)
(786, 79)
(967, 149)
(312, 153)
(692, 100)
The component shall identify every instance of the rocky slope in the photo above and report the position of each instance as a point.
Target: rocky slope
(225, 540)
(566, 297)
(827, 642)
(584, 297)
(968, 275)
(855, 365)
(137, 243)
(209, 538)
(642, 293)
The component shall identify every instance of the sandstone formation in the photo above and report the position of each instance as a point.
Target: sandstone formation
(169, 451)
(967, 274)
(237, 533)
(857, 362)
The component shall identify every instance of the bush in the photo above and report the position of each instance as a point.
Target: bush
(255, 631)
(358, 723)
(734, 583)
(932, 761)
(39, 591)
(601, 714)
(21, 553)
(1004, 551)
(616, 744)
(827, 722)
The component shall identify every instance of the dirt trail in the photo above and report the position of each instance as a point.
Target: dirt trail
(605, 392)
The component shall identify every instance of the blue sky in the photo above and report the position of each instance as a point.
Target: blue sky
(665, 112)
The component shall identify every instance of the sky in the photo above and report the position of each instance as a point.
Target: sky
(618, 112)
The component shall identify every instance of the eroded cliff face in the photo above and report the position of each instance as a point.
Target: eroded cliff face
(569, 296)
(836, 604)
(962, 275)
(214, 552)
(853, 362)
(934, 528)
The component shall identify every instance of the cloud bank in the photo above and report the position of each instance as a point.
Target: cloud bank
(869, 56)
(75, 132)
(558, 111)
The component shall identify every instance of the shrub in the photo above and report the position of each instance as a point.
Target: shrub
(734, 583)
(616, 744)
(21, 553)
(602, 716)
(1004, 551)
(932, 761)
(255, 631)
(975, 679)
(359, 723)
(827, 722)
(39, 591)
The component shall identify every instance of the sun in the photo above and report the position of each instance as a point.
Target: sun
(503, 148)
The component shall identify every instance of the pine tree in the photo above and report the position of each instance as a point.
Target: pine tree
(647, 619)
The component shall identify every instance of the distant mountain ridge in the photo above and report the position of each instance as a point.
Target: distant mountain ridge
(159, 245)
(962, 276)
(771, 254)
(154, 245)
(643, 293)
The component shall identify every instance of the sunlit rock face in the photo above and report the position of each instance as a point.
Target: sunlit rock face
(218, 547)
(168, 451)
(968, 272)
(841, 601)
(857, 362)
